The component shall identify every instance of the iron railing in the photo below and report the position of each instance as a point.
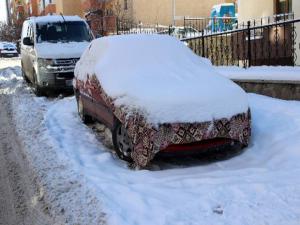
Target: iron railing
(250, 44)
(267, 41)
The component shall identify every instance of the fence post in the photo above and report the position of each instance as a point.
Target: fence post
(117, 23)
(203, 45)
(249, 43)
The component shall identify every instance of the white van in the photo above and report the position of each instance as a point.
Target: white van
(50, 47)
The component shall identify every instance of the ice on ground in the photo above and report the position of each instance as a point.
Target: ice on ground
(162, 77)
(272, 73)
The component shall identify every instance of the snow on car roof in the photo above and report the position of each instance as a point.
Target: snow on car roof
(55, 18)
(160, 76)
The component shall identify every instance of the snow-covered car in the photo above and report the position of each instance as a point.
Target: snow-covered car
(50, 47)
(8, 49)
(156, 95)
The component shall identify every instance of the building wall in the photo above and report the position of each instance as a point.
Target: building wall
(161, 11)
(296, 9)
(69, 7)
(254, 9)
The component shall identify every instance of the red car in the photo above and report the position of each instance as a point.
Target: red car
(156, 95)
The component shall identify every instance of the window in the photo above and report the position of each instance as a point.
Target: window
(125, 4)
(69, 31)
(283, 6)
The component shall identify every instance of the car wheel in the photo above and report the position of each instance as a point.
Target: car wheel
(36, 89)
(122, 142)
(85, 118)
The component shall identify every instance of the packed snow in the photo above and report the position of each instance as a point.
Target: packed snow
(159, 75)
(267, 73)
(259, 186)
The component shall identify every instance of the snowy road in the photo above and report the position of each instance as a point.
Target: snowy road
(84, 183)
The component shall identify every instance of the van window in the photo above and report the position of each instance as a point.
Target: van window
(25, 29)
(69, 31)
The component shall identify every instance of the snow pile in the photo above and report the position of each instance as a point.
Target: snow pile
(159, 75)
(270, 73)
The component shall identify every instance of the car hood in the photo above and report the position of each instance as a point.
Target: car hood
(161, 78)
(60, 50)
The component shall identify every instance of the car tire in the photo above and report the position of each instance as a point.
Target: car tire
(122, 142)
(36, 89)
(81, 112)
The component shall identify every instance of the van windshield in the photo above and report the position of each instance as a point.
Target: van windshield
(69, 31)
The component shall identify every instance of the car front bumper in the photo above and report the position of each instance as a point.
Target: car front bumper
(181, 137)
(56, 81)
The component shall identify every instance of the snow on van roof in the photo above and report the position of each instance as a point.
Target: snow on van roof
(160, 76)
(55, 18)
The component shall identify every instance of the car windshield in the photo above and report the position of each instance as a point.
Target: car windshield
(9, 46)
(69, 31)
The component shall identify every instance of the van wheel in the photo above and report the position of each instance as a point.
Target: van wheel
(122, 142)
(84, 118)
(36, 89)
(24, 74)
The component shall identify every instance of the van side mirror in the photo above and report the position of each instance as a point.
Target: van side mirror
(27, 41)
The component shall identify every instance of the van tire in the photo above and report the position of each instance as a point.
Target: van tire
(36, 88)
(25, 76)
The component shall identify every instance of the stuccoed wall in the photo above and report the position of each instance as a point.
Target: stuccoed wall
(254, 9)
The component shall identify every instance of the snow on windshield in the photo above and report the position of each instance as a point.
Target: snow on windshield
(69, 31)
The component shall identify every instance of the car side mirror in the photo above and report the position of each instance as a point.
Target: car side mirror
(98, 36)
(27, 41)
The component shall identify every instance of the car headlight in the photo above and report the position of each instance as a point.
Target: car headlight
(44, 64)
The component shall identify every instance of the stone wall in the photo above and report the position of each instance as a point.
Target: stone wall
(287, 90)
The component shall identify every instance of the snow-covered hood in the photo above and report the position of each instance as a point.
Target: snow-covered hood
(160, 76)
(60, 50)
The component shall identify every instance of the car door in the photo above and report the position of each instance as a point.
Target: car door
(101, 110)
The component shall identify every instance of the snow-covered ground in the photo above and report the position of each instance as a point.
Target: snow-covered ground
(269, 73)
(82, 176)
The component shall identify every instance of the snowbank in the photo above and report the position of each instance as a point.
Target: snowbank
(271, 73)
(159, 75)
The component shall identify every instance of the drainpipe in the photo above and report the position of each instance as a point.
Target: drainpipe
(174, 12)
(7, 11)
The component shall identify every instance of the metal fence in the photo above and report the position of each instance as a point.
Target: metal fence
(266, 41)
(250, 44)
